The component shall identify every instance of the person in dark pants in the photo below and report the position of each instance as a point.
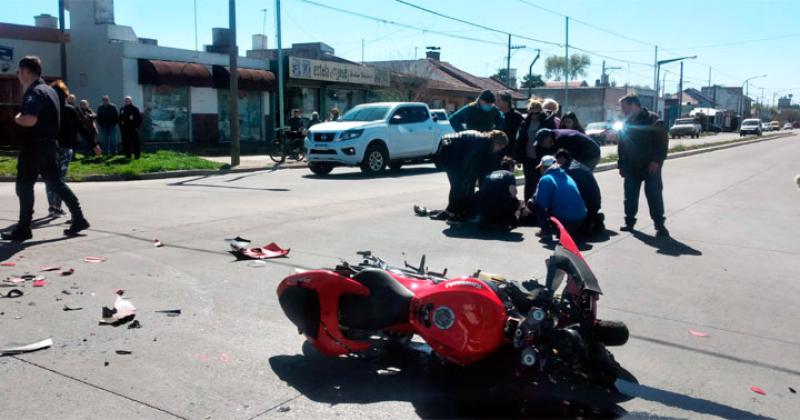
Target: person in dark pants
(526, 150)
(642, 148)
(556, 195)
(467, 157)
(89, 129)
(107, 121)
(39, 122)
(512, 120)
(581, 146)
(480, 115)
(67, 141)
(589, 189)
(498, 204)
(130, 119)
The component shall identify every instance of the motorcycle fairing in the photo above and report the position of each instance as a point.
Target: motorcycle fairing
(567, 257)
(318, 318)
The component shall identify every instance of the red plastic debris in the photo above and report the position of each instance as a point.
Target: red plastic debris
(39, 283)
(757, 390)
(94, 259)
(697, 333)
(271, 250)
(8, 264)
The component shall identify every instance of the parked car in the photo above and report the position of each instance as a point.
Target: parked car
(373, 136)
(440, 115)
(766, 127)
(750, 126)
(599, 132)
(685, 127)
(776, 125)
(787, 126)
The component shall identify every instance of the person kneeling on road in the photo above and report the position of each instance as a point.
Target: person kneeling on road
(579, 145)
(556, 195)
(497, 198)
(467, 157)
(588, 188)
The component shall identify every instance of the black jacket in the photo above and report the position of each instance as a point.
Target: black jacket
(69, 127)
(642, 141)
(467, 153)
(579, 145)
(129, 118)
(545, 121)
(512, 120)
(107, 115)
(587, 185)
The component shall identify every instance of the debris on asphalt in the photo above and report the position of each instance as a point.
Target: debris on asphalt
(66, 292)
(25, 348)
(792, 390)
(123, 352)
(271, 250)
(50, 269)
(697, 333)
(170, 312)
(420, 211)
(72, 308)
(8, 264)
(68, 272)
(123, 311)
(94, 259)
(238, 242)
(257, 264)
(284, 409)
(157, 243)
(105, 363)
(757, 390)
(224, 358)
(134, 324)
(39, 283)
(13, 293)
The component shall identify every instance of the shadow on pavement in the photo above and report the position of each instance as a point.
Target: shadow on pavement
(666, 246)
(8, 249)
(442, 391)
(385, 174)
(191, 183)
(475, 231)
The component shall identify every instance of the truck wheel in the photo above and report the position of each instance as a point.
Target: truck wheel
(395, 165)
(320, 168)
(375, 159)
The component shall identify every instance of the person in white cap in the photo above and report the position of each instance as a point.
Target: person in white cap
(556, 195)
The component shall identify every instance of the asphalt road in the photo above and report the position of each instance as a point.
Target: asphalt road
(730, 272)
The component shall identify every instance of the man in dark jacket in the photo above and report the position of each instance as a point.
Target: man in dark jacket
(512, 120)
(107, 120)
(68, 130)
(467, 157)
(589, 189)
(480, 115)
(39, 122)
(130, 119)
(526, 151)
(642, 148)
(581, 146)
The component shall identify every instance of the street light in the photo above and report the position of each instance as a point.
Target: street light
(746, 85)
(530, 72)
(658, 74)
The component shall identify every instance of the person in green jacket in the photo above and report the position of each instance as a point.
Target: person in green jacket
(480, 115)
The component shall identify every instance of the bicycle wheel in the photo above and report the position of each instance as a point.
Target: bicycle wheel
(276, 154)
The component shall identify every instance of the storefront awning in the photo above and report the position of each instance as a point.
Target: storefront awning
(173, 73)
(249, 79)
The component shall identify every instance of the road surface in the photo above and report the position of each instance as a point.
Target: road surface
(731, 272)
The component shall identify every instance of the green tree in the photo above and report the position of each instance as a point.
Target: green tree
(555, 67)
(502, 76)
(532, 81)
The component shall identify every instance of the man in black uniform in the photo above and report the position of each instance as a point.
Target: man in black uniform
(39, 119)
(129, 121)
(497, 198)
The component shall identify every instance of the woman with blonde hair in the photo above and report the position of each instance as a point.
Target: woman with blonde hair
(526, 148)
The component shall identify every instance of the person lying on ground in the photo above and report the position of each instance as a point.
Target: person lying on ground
(588, 188)
(498, 204)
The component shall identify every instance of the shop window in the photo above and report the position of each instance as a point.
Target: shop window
(165, 114)
(344, 99)
(250, 115)
(304, 99)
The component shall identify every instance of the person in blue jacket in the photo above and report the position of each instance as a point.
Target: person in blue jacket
(557, 195)
(480, 115)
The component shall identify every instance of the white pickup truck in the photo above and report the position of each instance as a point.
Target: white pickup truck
(373, 136)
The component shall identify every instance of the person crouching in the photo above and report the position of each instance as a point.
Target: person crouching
(467, 157)
(556, 195)
(588, 188)
(498, 204)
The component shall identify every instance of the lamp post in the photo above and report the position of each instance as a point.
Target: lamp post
(745, 88)
(658, 72)
(530, 72)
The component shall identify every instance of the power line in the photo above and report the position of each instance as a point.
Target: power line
(737, 43)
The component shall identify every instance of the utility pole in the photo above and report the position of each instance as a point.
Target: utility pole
(280, 100)
(508, 62)
(655, 80)
(603, 76)
(195, 26)
(680, 93)
(709, 77)
(530, 72)
(62, 41)
(566, 65)
(233, 52)
(362, 51)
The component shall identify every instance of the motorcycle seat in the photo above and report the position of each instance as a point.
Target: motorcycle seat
(387, 304)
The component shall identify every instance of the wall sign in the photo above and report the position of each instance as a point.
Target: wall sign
(304, 68)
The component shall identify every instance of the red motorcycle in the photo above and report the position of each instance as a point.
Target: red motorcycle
(550, 326)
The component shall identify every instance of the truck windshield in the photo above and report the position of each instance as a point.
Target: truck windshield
(684, 121)
(750, 122)
(366, 113)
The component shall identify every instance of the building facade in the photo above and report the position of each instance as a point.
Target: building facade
(594, 104)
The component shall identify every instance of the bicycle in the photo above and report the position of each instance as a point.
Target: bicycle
(283, 147)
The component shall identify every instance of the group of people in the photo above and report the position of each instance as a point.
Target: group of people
(557, 160)
(48, 125)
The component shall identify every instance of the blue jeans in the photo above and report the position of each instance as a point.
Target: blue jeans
(64, 156)
(108, 139)
(653, 187)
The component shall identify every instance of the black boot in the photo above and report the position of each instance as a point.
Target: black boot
(77, 226)
(17, 235)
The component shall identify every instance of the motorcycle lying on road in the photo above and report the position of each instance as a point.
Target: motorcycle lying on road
(551, 327)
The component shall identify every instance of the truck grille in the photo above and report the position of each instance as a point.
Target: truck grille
(323, 152)
(324, 136)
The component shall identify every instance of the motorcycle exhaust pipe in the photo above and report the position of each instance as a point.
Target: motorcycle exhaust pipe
(611, 333)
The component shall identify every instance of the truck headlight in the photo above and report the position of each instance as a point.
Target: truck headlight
(351, 134)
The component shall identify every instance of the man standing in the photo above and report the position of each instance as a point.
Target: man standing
(642, 149)
(130, 119)
(39, 119)
(581, 146)
(512, 120)
(480, 115)
(107, 120)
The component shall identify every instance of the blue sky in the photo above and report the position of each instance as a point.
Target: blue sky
(679, 27)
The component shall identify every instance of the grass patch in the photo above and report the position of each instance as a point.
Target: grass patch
(83, 167)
